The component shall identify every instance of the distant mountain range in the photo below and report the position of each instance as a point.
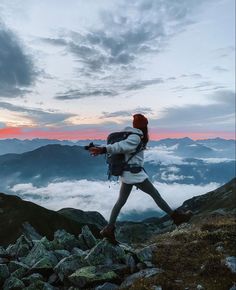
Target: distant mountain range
(184, 147)
(57, 162)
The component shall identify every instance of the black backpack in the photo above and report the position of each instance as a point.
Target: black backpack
(116, 162)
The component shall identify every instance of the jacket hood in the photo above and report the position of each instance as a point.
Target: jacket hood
(133, 130)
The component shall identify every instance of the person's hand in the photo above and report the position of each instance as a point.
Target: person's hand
(94, 151)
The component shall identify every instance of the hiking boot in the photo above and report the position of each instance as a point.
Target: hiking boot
(180, 217)
(109, 232)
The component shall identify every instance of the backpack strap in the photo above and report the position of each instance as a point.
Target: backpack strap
(139, 148)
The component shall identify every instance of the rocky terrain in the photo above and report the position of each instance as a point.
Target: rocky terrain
(42, 249)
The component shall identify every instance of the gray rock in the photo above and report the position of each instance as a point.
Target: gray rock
(30, 232)
(86, 276)
(61, 254)
(21, 248)
(13, 283)
(233, 287)
(32, 278)
(154, 287)
(37, 252)
(4, 272)
(106, 254)
(141, 274)
(141, 266)
(44, 265)
(200, 287)
(47, 244)
(69, 265)
(64, 240)
(79, 252)
(4, 260)
(15, 265)
(89, 238)
(107, 286)
(145, 254)
(130, 262)
(230, 262)
(81, 243)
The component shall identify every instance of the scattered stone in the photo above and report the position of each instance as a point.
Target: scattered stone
(107, 286)
(141, 274)
(44, 265)
(233, 287)
(79, 252)
(149, 264)
(15, 265)
(64, 240)
(69, 265)
(13, 283)
(4, 272)
(32, 278)
(89, 238)
(130, 262)
(145, 254)
(87, 276)
(61, 254)
(47, 244)
(37, 252)
(21, 248)
(230, 262)
(30, 232)
(104, 253)
(200, 287)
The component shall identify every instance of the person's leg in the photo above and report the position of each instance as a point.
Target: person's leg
(149, 188)
(125, 190)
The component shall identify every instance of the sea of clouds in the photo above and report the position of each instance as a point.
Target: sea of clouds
(101, 195)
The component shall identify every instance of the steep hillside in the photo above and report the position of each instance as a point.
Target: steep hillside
(15, 211)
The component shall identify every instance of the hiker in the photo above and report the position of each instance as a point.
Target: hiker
(139, 132)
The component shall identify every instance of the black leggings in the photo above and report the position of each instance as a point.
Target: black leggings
(145, 186)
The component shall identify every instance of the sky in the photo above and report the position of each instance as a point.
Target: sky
(74, 69)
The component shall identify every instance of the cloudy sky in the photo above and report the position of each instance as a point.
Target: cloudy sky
(74, 69)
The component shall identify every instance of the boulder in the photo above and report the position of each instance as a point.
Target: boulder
(141, 274)
(230, 262)
(79, 252)
(69, 265)
(47, 244)
(145, 254)
(104, 253)
(61, 254)
(19, 273)
(30, 232)
(21, 248)
(130, 262)
(38, 252)
(13, 283)
(45, 265)
(4, 273)
(89, 238)
(64, 240)
(88, 276)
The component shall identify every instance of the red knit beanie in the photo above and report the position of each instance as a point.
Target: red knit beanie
(139, 121)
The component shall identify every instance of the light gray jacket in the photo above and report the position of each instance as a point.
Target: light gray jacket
(128, 146)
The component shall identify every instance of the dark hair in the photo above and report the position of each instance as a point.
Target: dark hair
(145, 138)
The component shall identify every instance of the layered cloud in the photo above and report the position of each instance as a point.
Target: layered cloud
(101, 196)
(219, 113)
(17, 71)
(36, 116)
(113, 53)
